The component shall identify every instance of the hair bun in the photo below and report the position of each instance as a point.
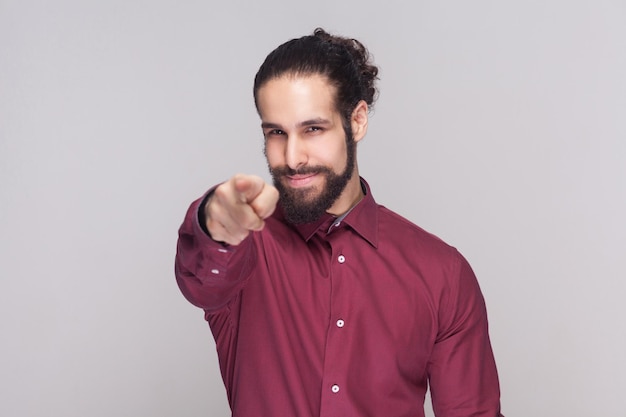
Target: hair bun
(367, 71)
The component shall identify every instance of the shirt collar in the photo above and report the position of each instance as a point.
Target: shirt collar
(362, 218)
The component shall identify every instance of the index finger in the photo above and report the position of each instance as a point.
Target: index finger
(248, 187)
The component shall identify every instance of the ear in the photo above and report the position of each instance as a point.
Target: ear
(358, 120)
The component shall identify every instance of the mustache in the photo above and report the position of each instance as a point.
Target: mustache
(283, 171)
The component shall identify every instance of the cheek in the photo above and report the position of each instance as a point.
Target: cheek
(273, 153)
(336, 155)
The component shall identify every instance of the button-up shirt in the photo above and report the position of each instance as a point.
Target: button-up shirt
(342, 319)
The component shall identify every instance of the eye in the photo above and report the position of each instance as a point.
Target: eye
(314, 129)
(274, 133)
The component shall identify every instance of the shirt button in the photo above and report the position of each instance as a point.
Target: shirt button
(340, 323)
(335, 388)
(341, 259)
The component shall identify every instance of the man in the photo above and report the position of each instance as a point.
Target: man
(322, 302)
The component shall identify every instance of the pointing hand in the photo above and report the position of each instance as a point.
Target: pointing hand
(239, 206)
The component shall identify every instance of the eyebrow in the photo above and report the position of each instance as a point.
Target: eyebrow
(311, 122)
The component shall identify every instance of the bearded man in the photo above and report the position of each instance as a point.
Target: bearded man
(321, 301)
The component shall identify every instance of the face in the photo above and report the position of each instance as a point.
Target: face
(310, 155)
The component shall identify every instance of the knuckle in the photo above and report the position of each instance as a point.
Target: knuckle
(213, 213)
(221, 192)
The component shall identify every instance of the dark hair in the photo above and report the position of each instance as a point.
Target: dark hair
(345, 62)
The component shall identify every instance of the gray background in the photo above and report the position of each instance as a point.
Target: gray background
(501, 127)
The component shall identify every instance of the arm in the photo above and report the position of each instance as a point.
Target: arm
(208, 273)
(214, 251)
(462, 371)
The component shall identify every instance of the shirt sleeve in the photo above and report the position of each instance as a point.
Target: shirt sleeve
(462, 371)
(209, 273)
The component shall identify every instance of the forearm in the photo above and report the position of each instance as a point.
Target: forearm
(209, 273)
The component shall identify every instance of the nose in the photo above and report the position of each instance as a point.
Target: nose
(295, 152)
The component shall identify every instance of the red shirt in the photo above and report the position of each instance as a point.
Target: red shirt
(351, 322)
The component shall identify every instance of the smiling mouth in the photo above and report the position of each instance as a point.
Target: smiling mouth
(301, 180)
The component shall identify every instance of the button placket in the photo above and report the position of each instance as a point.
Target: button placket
(334, 361)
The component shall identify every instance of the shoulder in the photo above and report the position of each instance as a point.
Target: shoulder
(419, 249)
(439, 265)
(397, 230)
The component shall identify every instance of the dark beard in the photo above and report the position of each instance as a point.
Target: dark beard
(298, 205)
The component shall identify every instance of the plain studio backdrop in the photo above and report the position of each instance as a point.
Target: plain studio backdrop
(501, 127)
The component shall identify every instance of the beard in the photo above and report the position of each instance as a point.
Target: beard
(303, 205)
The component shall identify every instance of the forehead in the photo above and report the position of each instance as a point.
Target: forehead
(296, 96)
